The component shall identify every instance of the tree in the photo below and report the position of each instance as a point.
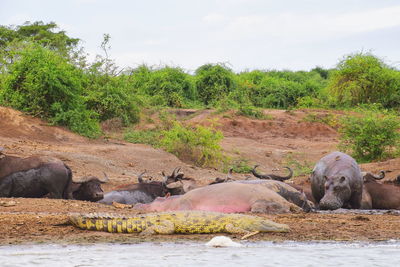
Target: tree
(40, 33)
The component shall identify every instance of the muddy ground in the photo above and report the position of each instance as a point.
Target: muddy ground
(286, 138)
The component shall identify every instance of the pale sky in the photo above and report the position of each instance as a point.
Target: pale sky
(245, 34)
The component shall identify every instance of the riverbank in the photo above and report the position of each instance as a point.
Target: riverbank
(27, 221)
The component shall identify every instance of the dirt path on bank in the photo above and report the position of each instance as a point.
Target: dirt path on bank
(284, 139)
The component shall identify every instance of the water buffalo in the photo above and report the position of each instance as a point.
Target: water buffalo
(368, 175)
(50, 179)
(272, 176)
(40, 176)
(141, 192)
(380, 196)
(178, 184)
(336, 182)
(228, 178)
(87, 188)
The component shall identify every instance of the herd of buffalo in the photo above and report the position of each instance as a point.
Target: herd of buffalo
(336, 182)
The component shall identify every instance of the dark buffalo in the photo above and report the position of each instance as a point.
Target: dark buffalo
(224, 180)
(50, 179)
(381, 196)
(33, 176)
(40, 176)
(142, 192)
(88, 188)
(178, 184)
(306, 189)
(336, 182)
(368, 175)
(272, 176)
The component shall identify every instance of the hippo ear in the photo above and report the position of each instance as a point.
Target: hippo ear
(342, 179)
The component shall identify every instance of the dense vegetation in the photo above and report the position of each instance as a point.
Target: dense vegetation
(44, 72)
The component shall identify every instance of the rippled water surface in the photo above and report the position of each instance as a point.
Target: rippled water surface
(197, 254)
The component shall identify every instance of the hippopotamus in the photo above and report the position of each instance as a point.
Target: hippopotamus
(225, 197)
(336, 182)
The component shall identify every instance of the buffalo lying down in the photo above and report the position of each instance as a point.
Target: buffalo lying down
(380, 196)
(87, 188)
(51, 178)
(145, 192)
(40, 176)
(142, 192)
(272, 176)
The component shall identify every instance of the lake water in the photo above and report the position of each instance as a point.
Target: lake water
(197, 254)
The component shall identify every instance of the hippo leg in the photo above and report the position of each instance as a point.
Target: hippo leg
(263, 206)
(355, 200)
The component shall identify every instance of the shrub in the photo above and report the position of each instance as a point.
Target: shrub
(149, 137)
(214, 82)
(251, 112)
(173, 84)
(196, 144)
(371, 135)
(239, 165)
(43, 83)
(364, 78)
(79, 120)
(110, 98)
(328, 119)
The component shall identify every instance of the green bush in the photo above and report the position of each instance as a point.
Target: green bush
(214, 82)
(199, 145)
(110, 97)
(172, 84)
(371, 135)
(251, 112)
(79, 120)
(43, 83)
(364, 78)
(149, 137)
(279, 89)
(239, 165)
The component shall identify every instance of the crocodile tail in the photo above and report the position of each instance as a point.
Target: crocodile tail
(106, 223)
(78, 221)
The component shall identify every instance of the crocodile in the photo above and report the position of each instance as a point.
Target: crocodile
(177, 222)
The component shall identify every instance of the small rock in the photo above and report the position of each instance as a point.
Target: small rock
(121, 206)
(8, 203)
(222, 241)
